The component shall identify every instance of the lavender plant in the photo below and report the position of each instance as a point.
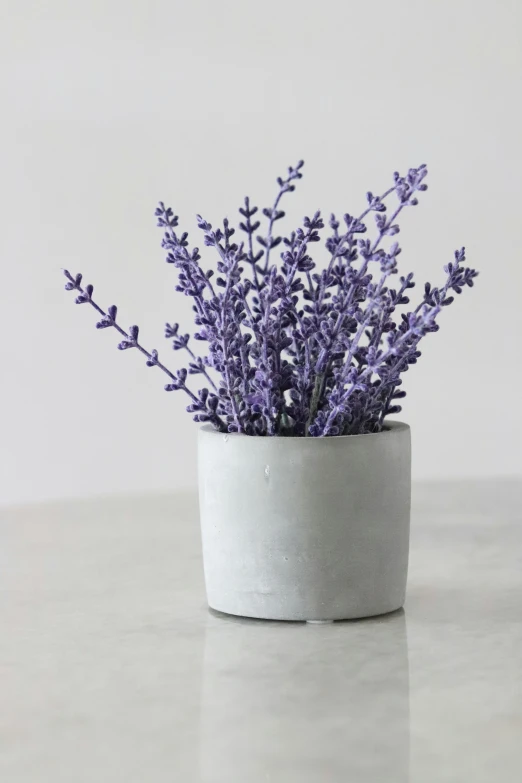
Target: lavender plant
(293, 347)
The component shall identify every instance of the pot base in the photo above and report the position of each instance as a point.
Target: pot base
(319, 622)
(298, 619)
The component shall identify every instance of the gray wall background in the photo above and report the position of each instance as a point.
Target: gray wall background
(110, 106)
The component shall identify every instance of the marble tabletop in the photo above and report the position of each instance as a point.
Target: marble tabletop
(113, 670)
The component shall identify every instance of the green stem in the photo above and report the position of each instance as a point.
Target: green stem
(314, 403)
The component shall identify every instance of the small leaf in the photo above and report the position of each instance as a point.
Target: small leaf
(153, 359)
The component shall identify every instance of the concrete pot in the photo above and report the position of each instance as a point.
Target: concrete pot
(312, 529)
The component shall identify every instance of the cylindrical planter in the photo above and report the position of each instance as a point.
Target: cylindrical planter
(305, 528)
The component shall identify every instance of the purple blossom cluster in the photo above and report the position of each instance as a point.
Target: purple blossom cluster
(294, 347)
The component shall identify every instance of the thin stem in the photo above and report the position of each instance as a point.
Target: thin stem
(270, 227)
(202, 371)
(284, 187)
(349, 234)
(251, 255)
(224, 346)
(314, 402)
(181, 384)
(188, 257)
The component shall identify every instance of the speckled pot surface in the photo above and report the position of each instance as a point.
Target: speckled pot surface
(310, 529)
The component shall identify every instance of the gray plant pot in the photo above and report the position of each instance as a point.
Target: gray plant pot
(312, 529)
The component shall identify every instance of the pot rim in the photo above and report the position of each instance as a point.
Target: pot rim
(389, 428)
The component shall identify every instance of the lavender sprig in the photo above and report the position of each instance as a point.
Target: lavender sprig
(108, 319)
(273, 213)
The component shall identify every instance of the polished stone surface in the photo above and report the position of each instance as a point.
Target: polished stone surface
(112, 670)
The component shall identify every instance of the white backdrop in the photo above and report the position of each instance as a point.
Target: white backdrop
(109, 106)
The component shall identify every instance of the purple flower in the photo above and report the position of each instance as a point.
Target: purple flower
(295, 344)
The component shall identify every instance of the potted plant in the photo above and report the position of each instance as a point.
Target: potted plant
(304, 484)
